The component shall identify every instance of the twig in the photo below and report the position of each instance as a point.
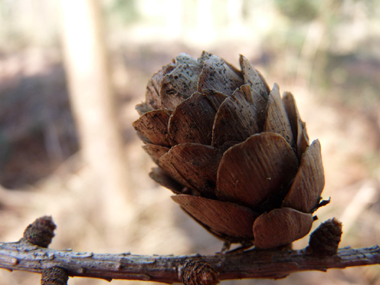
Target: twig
(166, 268)
(190, 269)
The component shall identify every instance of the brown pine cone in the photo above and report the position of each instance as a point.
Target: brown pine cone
(234, 152)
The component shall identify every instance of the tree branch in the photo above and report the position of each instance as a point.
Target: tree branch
(166, 268)
(190, 269)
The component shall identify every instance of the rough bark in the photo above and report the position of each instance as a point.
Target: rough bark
(272, 264)
(29, 254)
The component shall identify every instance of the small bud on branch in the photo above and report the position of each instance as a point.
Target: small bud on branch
(40, 232)
(54, 276)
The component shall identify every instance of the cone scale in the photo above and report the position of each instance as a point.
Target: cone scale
(235, 153)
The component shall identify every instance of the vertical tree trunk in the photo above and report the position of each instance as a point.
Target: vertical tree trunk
(94, 103)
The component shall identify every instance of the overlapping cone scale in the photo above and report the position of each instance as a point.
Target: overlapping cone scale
(235, 153)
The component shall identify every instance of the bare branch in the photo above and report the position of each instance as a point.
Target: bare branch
(167, 268)
(31, 254)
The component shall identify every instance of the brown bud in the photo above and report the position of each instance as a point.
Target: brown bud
(235, 152)
(199, 272)
(324, 241)
(54, 276)
(40, 232)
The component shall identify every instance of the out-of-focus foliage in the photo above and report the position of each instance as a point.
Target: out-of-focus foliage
(122, 11)
(332, 45)
(299, 10)
(24, 23)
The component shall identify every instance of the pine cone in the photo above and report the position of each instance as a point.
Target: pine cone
(234, 152)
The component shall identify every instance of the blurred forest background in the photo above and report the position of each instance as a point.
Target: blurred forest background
(59, 157)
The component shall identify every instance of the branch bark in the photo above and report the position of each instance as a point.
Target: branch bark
(274, 264)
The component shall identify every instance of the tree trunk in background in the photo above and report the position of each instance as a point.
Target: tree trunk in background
(94, 104)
